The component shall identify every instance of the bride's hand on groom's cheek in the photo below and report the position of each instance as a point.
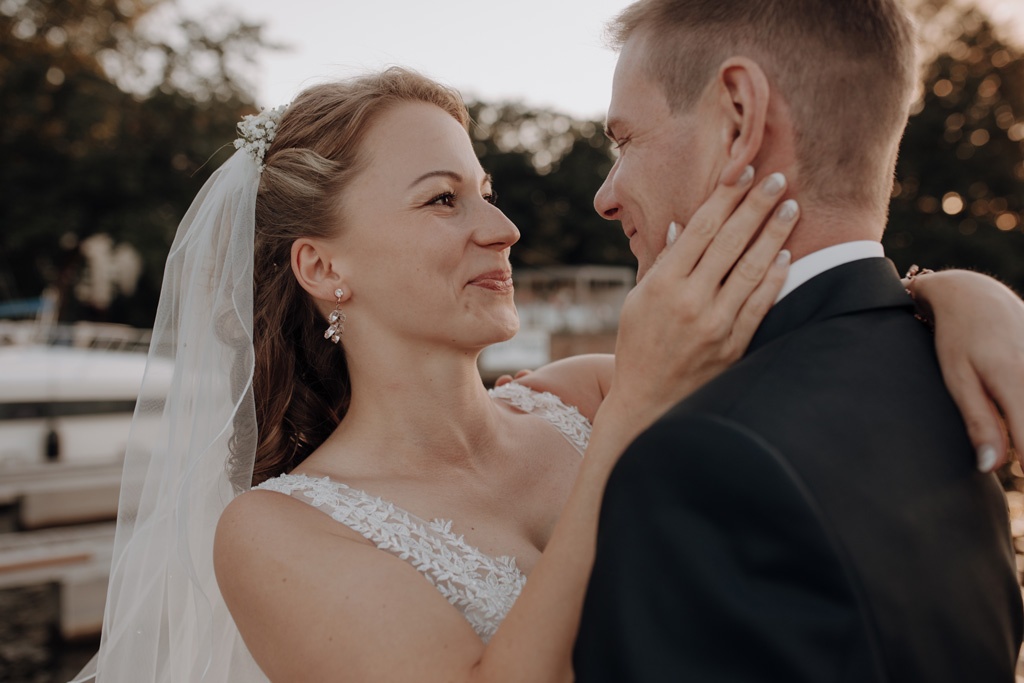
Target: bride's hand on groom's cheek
(697, 308)
(979, 338)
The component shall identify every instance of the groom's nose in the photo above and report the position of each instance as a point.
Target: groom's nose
(605, 201)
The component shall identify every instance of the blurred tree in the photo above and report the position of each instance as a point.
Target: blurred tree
(959, 197)
(109, 126)
(106, 129)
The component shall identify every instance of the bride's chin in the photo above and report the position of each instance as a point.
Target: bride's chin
(499, 330)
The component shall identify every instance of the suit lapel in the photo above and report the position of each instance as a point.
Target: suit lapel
(857, 286)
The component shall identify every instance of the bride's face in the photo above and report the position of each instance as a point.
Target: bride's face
(424, 249)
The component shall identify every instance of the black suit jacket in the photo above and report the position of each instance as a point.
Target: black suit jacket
(813, 514)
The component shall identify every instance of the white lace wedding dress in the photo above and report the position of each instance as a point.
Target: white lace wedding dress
(482, 587)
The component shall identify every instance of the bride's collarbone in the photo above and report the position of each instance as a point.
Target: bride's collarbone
(524, 453)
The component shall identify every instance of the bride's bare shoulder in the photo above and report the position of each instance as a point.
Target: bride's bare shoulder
(311, 601)
(259, 525)
(260, 508)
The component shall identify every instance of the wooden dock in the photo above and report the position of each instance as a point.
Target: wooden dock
(61, 530)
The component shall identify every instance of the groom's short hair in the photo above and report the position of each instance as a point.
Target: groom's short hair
(846, 68)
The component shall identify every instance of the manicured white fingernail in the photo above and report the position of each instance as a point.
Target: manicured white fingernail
(746, 178)
(673, 233)
(987, 459)
(783, 258)
(774, 184)
(788, 210)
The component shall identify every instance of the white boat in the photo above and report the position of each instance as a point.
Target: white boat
(66, 403)
(69, 398)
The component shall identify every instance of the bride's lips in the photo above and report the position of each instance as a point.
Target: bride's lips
(495, 280)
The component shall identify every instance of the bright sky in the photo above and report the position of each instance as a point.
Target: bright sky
(543, 52)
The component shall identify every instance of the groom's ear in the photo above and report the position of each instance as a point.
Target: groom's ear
(743, 94)
(312, 266)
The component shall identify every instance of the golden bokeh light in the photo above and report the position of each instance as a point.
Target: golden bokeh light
(989, 87)
(943, 88)
(1007, 221)
(928, 204)
(980, 137)
(952, 203)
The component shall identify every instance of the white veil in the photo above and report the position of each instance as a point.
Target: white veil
(190, 452)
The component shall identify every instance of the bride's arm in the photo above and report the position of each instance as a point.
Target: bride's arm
(979, 338)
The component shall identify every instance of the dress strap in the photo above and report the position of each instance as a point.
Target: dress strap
(566, 419)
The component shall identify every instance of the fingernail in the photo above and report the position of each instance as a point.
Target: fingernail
(774, 184)
(673, 233)
(746, 178)
(783, 258)
(987, 459)
(788, 210)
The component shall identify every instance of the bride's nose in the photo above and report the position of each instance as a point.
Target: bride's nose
(495, 230)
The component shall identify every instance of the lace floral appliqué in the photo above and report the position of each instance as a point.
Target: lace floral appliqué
(567, 419)
(482, 587)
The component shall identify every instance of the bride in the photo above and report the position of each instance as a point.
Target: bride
(324, 304)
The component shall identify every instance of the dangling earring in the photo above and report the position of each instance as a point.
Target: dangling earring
(337, 320)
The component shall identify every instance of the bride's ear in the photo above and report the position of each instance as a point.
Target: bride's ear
(742, 96)
(313, 267)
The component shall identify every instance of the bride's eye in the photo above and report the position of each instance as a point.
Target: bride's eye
(491, 197)
(443, 199)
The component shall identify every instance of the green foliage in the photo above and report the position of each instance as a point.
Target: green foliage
(82, 156)
(105, 128)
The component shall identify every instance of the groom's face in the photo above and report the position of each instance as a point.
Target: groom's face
(667, 162)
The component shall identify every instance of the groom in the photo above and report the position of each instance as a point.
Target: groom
(814, 514)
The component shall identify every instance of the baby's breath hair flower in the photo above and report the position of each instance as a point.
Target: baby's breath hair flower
(257, 131)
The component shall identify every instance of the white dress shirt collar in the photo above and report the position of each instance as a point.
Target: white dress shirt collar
(816, 263)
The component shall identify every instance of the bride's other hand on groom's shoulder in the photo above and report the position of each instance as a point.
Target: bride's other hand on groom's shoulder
(979, 338)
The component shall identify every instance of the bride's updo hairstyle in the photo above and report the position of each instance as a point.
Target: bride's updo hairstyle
(301, 384)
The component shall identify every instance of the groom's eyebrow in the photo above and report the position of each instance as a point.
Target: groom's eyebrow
(448, 174)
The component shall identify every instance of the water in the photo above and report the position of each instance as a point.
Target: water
(31, 647)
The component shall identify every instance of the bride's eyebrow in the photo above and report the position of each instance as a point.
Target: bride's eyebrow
(448, 174)
(434, 174)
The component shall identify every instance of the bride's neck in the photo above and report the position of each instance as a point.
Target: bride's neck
(430, 403)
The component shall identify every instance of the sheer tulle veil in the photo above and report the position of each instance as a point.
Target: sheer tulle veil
(191, 451)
